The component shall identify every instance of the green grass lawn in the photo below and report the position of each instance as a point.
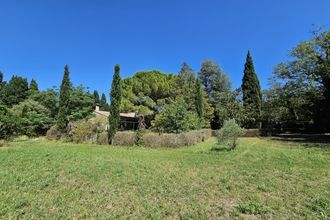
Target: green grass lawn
(261, 179)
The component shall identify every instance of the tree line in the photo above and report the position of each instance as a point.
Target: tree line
(298, 98)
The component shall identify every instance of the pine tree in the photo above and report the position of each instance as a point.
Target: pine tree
(103, 103)
(96, 98)
(64, 102)
(252, 96)
(115, 99)
(199, 99)
(33, 89)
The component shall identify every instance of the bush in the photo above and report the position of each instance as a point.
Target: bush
(175, 118)
(83, 132)
(139, 136)
(124, 138)
(102, 138)
(53, 133)
(8, 123)
(229, 133)
(35, 119)
(176, 140)
(3, 143)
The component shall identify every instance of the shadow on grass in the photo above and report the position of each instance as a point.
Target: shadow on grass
(219, 149)
(306, 140)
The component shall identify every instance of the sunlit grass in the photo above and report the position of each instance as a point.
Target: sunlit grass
(263, 178)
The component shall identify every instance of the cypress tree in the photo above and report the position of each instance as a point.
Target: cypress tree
(96, 98)
(115, 99)
(252, 96)
(199, 99)
(1, 87)
(103, 103)
(64, 102)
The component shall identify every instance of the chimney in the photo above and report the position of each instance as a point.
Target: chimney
(97, 108)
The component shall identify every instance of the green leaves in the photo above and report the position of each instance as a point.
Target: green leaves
(175, 118)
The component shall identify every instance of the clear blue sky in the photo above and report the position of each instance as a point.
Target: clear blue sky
(38, 37)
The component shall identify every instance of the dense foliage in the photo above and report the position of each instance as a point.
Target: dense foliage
(217, 86)
(252, 97)
(34, 118)
(175, 118)
(8, 123)
(15, 91)
(147, 92)
(300, 97)
(115, 99)
(81, 103)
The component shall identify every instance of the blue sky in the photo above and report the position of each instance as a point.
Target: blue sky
(38, 37)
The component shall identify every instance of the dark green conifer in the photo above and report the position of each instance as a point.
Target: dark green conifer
(96, 98)
(115, 99)
(252, 96)
(34, 88)
(103, 103)
(199, 99)
(64, 102)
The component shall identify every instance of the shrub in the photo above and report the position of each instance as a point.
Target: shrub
(88, 131)
(3, 143)
(125, 138)
(175, 118)
(152, 139)
(139, 136)
(102, 138)
(83, 132)
(8, 123)
(53, 133)
(35, 119)
(229, 133)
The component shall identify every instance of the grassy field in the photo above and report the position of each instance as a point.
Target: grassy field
(261, 179)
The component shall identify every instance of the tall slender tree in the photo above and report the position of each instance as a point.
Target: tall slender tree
(64, 102)
(252, 95)
(1, 87)
(1, 77)
(199, 99)
(96, 98)
(103, 103)
(115, 100)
